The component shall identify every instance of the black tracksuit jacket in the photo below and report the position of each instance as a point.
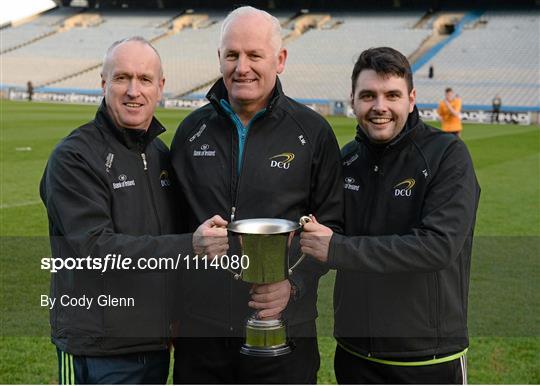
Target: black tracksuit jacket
(205, 158)
(109, 190)
(403, 267)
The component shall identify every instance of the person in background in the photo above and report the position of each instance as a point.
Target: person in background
(450, 112)
(496, 103)
(30, 90)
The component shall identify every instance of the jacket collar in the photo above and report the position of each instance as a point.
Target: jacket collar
(132, 139)
(219, 92)
(408, 132)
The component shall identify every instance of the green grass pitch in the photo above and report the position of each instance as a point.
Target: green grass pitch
(504, 297)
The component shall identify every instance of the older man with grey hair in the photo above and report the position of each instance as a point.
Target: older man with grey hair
(109, 194)
(265, 155)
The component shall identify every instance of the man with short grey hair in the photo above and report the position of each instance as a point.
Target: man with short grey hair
(109, 194)
(265, 156)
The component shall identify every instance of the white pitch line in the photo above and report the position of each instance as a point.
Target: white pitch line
(26, 203)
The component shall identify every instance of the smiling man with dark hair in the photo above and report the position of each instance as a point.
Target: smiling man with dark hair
(403, 264)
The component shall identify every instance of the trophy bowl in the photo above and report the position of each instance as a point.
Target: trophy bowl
(266, 241)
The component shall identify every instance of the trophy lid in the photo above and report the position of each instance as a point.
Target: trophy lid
(263, 226)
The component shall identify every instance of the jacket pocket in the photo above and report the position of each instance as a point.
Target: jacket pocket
(402, 305)
(352, 300)
(433, 295)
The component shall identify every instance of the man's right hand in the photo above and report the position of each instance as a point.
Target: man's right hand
(210, 238)
(315, 240)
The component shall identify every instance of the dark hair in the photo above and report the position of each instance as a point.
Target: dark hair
(384, 61)
(448, 89)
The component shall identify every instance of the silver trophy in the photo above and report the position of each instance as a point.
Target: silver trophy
(266, 241)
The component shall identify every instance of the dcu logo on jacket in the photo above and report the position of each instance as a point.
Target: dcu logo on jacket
(164, 179)
(404, 188)
(281, 161)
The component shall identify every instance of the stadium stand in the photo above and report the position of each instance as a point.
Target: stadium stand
(316, 54)
(492, 53)
(77, 47)
(189, 57)
(499, 54)
(328, 55)
(44, 25)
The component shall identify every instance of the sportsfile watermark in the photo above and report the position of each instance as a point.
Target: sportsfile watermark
(118, 262)
(502, 296)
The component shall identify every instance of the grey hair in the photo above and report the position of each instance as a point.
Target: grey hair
(248, 10)
(139, 39)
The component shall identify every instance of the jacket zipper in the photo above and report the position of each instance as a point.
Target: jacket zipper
(437, 321)
(234, 205)
(152, 198)
(234, 197)
(375, 179)
(376, 172)
(235, 182)
(148, 183)
(233, 210)
(143, 156)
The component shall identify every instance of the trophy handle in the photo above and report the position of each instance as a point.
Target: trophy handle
(303, 221)
(236, 275)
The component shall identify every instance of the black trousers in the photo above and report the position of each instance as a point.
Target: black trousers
(219, 361)
(351, 369)
(139, 368)
(495, 115)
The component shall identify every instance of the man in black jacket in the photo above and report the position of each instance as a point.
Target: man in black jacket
(108, 189)
(252, 152)
(403, 265)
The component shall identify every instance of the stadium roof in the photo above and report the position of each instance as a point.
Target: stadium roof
(13, 11)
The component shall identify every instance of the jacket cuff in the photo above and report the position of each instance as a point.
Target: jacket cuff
(297, 287)
(333, 250)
